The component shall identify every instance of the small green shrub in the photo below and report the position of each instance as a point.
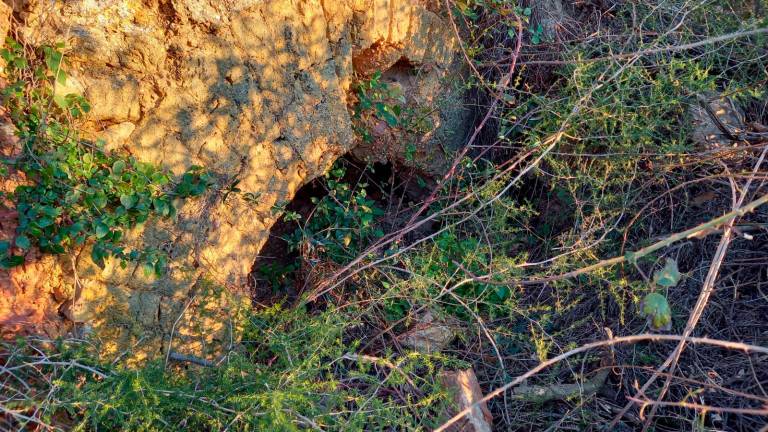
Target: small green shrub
(342, 223)
(375, 99)
(289, 374)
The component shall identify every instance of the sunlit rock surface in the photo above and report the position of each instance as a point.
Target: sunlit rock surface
(256, 91)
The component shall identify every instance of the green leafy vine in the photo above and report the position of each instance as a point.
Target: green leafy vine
(75, 193)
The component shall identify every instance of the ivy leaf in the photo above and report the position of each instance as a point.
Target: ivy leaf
(23, 242)
(100, 200)
(44, 222)
(11, 261)
(101, 230)
(50, 211)
(161, 207)
(85, 106)
(669, 276)
(656, 309)
(160, 265)
(149, 269)
(98, 254)
(389, 118)
(61, 101)
(128, 201)
(536, 38)
(118, 167)
(52, 58)
(385, 113)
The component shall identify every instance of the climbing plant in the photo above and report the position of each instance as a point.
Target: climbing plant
(73, 192)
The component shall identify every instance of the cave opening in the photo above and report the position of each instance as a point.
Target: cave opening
(280, 270)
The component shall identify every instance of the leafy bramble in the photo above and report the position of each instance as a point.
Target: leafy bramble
(669, 276)
(656, 309)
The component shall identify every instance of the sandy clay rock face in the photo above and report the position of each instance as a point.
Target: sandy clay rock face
(255, 91)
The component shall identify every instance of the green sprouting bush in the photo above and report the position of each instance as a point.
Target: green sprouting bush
(625, 119)
(342, 222)
(375, 98)
(446, 270)
(289, 374)
(77, 193)
(380, 100)
(451, 255)
(612, 129)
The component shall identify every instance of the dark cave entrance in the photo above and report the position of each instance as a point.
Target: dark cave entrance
(279, 272)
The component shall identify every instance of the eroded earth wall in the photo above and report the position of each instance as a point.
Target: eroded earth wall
(255, 91)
